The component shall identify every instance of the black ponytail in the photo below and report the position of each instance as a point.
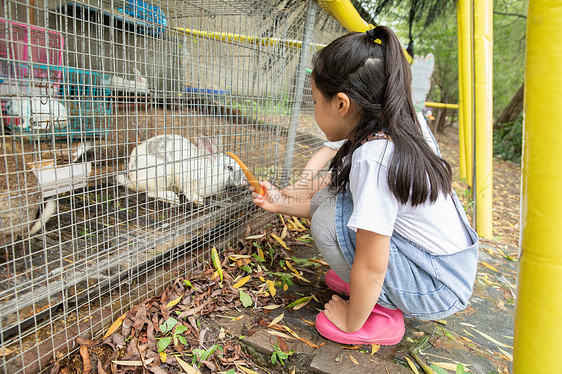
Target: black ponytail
(372, 70)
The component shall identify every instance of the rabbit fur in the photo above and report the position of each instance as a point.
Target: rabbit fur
(167, 165)
(20, 199)
(138, 85)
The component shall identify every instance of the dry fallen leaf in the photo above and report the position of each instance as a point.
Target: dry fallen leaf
(271, 288)
(246, 370)
(507, 355)
(86, 359)
(411, 365)
(6, 351)
(128, 363)
(285, 328)
(280, 241)
(353, 360)
(284, 233)
(307, 322)
(298, 223)
(186, 367)
(173, 302)
(216, 262)
(492, 339)
(259, 236)
(300, 306)
(271, 306)
(277, 319)
(489, 266)
(241, 282)
(114, 326)
(279, 333)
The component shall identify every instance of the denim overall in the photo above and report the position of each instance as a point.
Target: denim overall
(422, 285)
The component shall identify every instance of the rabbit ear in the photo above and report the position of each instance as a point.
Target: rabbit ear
(207, 145)
(138, 76)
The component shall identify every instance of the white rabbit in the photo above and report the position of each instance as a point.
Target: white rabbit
(138, 85)
(167, 165)
(36, 114)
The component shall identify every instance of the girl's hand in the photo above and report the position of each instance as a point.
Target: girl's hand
(270, 198)
(336, 311)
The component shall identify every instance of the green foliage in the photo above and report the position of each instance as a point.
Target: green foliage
(245, 299)
(510, 25)
(279, 355)
(167, 326)
(176, 336)
(508, 138)
(164, 343)
(200, 355)
(440, 38)
(440, 370)
(284, 279)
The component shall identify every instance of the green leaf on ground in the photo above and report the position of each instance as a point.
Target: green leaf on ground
(245, 299)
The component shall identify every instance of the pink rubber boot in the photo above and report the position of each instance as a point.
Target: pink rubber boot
(334, 282)
(384, 326)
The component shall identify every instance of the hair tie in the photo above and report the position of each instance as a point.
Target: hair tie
(373, 36)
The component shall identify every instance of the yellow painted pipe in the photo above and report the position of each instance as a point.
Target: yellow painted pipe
(538, 312)
(342, 10)
(467, 76)
(345, 13)
(462, 154)
(441, 105)
(229, 37)
(483, 116)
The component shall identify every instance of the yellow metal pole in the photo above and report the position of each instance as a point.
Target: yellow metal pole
(229, 37)
(483, 116)
(467, 76)
(346, 14)
(441, 105)
(538, 313)
(460, 50)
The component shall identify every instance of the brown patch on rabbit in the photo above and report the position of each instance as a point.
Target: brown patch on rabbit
(20, 198)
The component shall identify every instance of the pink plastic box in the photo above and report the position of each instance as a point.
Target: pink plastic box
(27, 54)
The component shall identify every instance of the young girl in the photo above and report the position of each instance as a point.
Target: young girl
(391, 228)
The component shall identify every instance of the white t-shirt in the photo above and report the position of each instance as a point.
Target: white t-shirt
(436, 227)
(335, 145)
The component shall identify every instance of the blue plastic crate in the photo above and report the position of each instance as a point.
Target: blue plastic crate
(207, 91)
(88, 103)
(149, 19)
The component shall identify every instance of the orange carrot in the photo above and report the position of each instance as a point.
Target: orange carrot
(251, 177)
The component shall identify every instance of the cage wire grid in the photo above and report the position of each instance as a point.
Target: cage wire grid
(85, 87)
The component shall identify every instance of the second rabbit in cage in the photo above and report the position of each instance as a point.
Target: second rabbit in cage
(167, 165)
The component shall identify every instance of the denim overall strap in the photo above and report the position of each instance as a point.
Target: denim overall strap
(345, 236)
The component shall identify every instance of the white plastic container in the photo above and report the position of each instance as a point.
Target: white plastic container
(57, 180)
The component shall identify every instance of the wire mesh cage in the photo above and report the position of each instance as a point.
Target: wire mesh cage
(114, 177)
(88, 102)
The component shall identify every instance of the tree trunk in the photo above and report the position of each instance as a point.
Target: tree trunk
(441, 120)
(513, 109)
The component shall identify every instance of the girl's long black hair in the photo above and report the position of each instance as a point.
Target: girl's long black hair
(377, 78)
